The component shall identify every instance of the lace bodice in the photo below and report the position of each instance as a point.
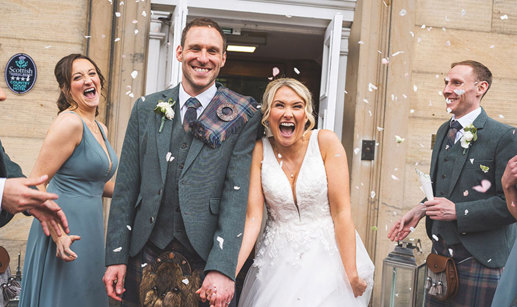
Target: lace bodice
(298, 224)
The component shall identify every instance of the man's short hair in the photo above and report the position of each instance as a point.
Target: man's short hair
(203, 22)
(481, 72)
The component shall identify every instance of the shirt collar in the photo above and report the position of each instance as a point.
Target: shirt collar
(204, 98)
(469, 118)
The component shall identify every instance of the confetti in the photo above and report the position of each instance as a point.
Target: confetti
(118, 249)
(121, 3)
(471, 161)
(394, 177)
(385, 61)
(449, 110)
(501, 116)
(448, 43)
(484, 168)
(372, 194)
(279, 156)
(221, 241)
(466, 193)
(489, 260)
(185, 281)
(143, 265)
(459, 92)
(485, 185)
(371, 87)
(136, 31)
(360, 42)
(466, 211)
(411, 229)
(288, 16)
(415, 88)
(492, 46)
(87, 36)
(412, 34)
(276, 71)
(134, 74)
(357, 150)
(117, 14)
(380, 129)
(365, 100)
(451, 252)
(447, 101)
(422, 27)
(435, 237)
(144, 14)
(513, 205)
(116, 39)
(169, 157)
(128, 227)
(402, 12)
(399, 139)
(236, 188)
(239, 235)
(412, 111)
(463, 12)
(504, 17)
(296, 70)
(374, 228)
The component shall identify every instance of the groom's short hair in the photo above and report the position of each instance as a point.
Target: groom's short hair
(203, 22)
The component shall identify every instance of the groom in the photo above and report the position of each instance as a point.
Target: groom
(182, 183)
(468, 220)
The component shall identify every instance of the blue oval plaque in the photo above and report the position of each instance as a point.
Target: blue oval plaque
(20, 73)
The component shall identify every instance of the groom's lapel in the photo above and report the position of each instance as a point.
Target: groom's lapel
(163, 139)
(459, 163)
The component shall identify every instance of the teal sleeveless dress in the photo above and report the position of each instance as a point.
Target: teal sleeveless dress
(49, 281)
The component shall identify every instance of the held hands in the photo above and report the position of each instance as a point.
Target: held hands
(114, 281)
(218, 289)
(405, 225)
(440, 209)
(358, 286)
(63, 250)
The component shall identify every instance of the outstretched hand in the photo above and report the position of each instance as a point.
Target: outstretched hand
(19, 197)
(217, 288)
(49, 214)
(405, 225)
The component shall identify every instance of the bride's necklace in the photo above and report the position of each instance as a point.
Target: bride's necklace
(291, 174)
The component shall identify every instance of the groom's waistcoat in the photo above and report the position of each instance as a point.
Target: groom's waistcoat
(169, 222)
(444, 168)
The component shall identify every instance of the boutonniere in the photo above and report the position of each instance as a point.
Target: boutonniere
(470, 135)
(165, 110)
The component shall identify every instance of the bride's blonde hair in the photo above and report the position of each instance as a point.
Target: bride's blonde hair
(298, 87)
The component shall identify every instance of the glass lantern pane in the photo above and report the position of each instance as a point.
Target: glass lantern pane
(399, 283)
(420, 286)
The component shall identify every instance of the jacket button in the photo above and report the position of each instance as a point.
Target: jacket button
(180, 166)
(151, 220)
(443, 176)
(184, 146)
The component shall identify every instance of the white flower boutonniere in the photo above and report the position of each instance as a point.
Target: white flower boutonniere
(470, 135)
(165, 110)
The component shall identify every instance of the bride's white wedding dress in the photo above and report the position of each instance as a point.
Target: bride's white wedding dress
(297, 261)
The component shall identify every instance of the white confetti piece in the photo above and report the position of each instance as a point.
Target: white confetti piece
(504, 17)
(143, 265)
(357, 150)
(276, 71)
(169, 157)
(279, 156)
(463, 12)
(121, 3)
(87, 36)
(136, 31)
(403, 12)
(447, 101)
(448, 43)
(411, 229)
(446, 147)
(513, 205)
(288, 16)
(483, 187)
(236, 188)
(471, 161)
(116, 39)
(501, 116)
(412, 34)
(459, 92)
(492, 46)
(422, 27)
(404, 95)
(131, 95)
(46, 47)
(394, 177)
(415, 88)
(466, 211)
(466, 193)
(489, 260)
(143, 98)
(365, 100)
(239, 235)
(380, 129)
(412, 111)
(451, 252)
(221, 241)
(435, 237)
(117, 14)
(443, 29)
(134, 74)
(399, 139)
(185, 281)
(360, 42)
(372, 194)
(296, 70)
(128, 227)
(371, 87)
(385, 61)
(449, 110)
(144, 14)
(118, 249)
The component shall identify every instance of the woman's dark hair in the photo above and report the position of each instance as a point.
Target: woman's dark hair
(63, 73)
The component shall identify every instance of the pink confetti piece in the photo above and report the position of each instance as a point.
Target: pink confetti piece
(466, 193)
(485, 185)
(276, 71)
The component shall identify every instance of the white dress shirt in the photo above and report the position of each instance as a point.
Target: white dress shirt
(466, 120)
(204, 98)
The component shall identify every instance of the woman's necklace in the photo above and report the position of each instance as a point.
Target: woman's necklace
(291, 174)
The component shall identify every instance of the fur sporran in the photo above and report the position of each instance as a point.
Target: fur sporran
(442, 277)
(170, 282)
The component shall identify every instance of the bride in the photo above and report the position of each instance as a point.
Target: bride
(309, 253)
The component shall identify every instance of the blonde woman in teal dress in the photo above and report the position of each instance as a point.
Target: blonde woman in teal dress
(506, 293)
(79, 161)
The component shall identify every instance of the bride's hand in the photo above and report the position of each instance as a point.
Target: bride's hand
(63, 250)
(358, 286)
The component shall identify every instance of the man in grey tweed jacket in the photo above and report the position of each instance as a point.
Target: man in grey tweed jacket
(182, 183)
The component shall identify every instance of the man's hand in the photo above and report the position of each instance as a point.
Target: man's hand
(440, 209)
(114, 281)
(18, 196)
(49, 214)
(406, 224)
(218, 289)
(509, 178)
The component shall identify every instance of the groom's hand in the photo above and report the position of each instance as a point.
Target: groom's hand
(218, 289)
(440, 209)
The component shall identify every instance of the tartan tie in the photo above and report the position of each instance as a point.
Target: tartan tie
(454, 127)
(191, 114)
